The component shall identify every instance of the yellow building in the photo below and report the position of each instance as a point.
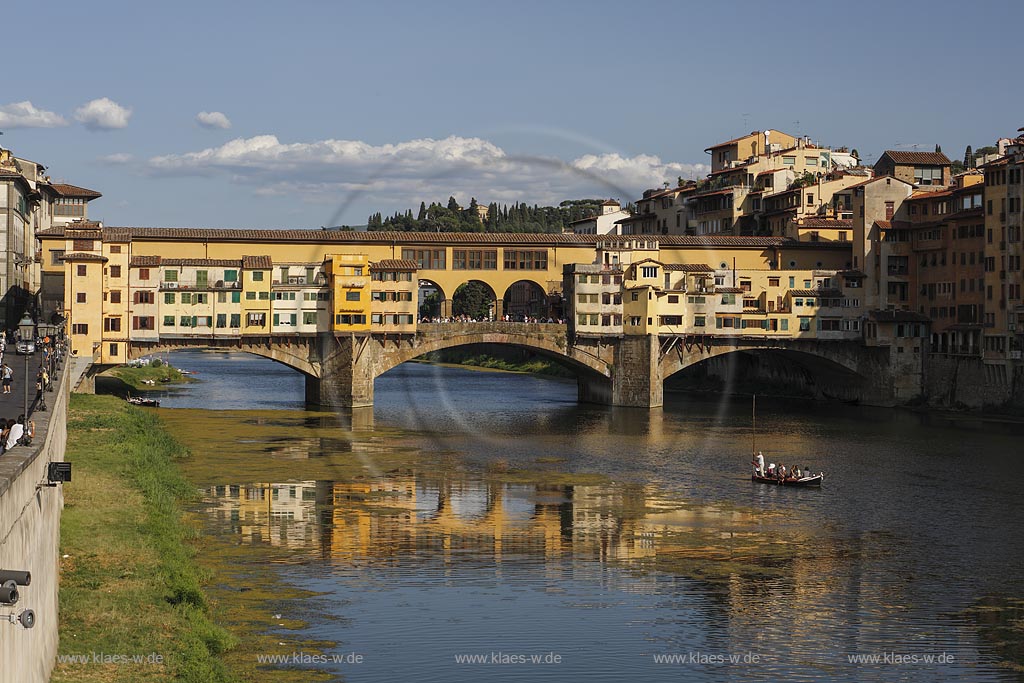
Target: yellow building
(393, 296)
(350, 291)
(256, 307)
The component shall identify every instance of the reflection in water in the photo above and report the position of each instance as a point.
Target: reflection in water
(485, 532)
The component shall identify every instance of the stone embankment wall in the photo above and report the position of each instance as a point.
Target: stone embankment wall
(29, 540)
(959, 382)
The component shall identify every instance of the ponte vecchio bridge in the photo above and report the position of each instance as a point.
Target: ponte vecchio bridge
(343, 308)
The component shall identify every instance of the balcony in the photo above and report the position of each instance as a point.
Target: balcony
(201, 285)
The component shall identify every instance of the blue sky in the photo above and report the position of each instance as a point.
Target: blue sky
(339, 109)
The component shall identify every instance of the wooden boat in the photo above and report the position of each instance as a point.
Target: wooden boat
(809, 481)
(140, 401)
(802, 481)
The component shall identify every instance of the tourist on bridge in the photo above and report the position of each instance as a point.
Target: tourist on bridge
(8, 377)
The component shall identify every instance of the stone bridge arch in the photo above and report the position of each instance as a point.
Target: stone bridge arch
(300, 354)
(553, 346)
(836, 369)
(353, 363)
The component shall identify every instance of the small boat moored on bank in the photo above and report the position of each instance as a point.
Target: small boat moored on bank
(140, 401)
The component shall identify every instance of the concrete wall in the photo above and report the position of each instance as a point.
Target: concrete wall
(29, 540)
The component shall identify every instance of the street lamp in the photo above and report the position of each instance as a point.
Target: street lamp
(26, 346)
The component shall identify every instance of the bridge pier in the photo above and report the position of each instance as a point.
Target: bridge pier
(636, 375)
(347, 373)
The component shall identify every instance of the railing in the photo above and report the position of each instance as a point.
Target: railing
(200, 285)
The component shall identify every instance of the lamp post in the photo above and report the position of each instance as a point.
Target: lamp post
(26, 346)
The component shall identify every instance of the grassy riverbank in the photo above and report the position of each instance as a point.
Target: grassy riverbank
(536, 366)
(161, 374)
(129, 582)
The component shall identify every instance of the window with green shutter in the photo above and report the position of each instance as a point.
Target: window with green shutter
(231, 275)
(236, 297)
(168, 297)
(168, 321)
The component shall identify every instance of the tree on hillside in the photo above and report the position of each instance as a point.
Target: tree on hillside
(968, 158)
(452, 204)
(938, 149)
(422, 215)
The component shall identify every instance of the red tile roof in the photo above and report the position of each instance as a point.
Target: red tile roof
(924, 194)
(926, 158)
(833, 223)
(495, 238)
(884, 225)
(394, 264)
(151, 261)
(689, 267)
(728, 290)
(80, 256)
(65, 190)
(813, 293)
(257, 262)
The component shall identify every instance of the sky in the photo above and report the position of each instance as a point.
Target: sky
(304, 113)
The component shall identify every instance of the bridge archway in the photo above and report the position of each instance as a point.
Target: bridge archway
(825, 373)
(431, 300)
(544, 344)
(475, 299)
(526, 299)
(295, 354)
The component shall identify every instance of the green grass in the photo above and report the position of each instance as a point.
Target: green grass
(129, 583)
(135, 376)
(536, 366)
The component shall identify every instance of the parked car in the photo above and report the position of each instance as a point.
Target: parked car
(26, 346)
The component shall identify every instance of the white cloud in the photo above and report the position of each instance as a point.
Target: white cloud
(404, 173)
(103, 114)
(26, 115)
(213, 119)
(117, 159)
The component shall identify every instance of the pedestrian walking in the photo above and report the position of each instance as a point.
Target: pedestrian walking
(8, 377)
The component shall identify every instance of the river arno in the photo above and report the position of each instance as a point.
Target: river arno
(488, 515)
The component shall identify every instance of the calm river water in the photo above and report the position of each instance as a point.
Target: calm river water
(484, 526)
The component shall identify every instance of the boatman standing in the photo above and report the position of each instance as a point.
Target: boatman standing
(759, 463)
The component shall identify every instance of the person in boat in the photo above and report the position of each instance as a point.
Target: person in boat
(771, 470)
(759, 464)
(782, 471)
(796, 472)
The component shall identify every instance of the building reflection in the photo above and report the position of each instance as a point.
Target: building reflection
(390, 518)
